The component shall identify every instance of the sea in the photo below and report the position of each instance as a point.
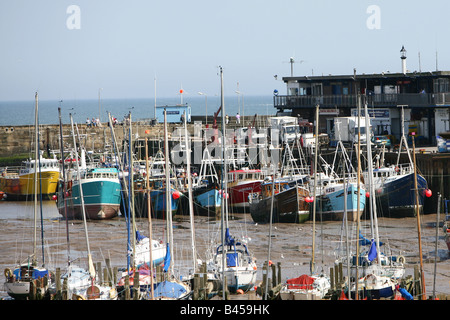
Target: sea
(14, 113)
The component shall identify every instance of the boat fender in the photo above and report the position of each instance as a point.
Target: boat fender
(401, 259)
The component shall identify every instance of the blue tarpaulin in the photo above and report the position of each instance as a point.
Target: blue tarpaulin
(405, 294)
(167, 259)
(372, 251)
(139, 236)
(169, 289)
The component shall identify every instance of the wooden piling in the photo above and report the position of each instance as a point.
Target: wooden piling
(127, 287)
(136, 289)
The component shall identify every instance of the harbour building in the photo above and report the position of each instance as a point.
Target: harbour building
(424, 97)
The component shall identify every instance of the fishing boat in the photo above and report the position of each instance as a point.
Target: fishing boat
(205, 189)
(394, 189)
(394, 185)
(331, 199)
(18, 182)
(241, 183)
(101, 193)
(331, 188)
(290, 201)
(240, 266)
(305, 287)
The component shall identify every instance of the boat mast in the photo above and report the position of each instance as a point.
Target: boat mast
(131, 187)
(418, 220)
(224, 213)
(80, 184)
(191, 203)
(373, 208)
(168, 192)
(149, 215)
(358, 205)
(316, 151)
(36, 141)
(63, 192)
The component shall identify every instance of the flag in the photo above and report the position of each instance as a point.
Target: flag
(372, 251)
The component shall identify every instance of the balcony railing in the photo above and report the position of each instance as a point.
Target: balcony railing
(376, 100)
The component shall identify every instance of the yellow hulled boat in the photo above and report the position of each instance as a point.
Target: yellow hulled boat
(18, 183)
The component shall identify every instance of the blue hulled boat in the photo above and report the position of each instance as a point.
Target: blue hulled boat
(331, 201)
(101, 193)
(394, 189)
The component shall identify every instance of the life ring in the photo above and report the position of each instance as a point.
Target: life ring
(8, 273)
(397, 169)
(401, 259)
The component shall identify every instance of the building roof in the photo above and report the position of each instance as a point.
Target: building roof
(374, 76)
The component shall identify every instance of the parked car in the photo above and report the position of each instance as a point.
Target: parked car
(379, 141)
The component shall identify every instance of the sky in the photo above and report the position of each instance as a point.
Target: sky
(77, 48)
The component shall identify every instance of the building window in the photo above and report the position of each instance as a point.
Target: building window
(441, 85)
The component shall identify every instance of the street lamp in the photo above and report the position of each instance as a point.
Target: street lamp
(99, 105)
(206, 105)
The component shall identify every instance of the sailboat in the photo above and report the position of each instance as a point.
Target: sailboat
(18, 283)
(380, 272)
(314, 286)
(231, 260)
(82, 283)
(239, 268)
(171, 288)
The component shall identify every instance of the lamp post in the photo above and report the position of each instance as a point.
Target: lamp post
(403, 58)
(99, 105)
(206, 105)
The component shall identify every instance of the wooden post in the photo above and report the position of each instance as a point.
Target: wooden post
(417, 282)
(58, 283)
(333, 288)
(279, 272)
(65, 290)
(336, 278)
(98, 270)
(127, 287)
(196, 286)
(109, 279)
(136, 290)
(274, 275)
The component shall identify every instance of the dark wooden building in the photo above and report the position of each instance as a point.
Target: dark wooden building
(425, 97)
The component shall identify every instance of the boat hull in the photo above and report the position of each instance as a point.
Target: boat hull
(331, 203)
(289, 206)
(22, 187)
(101, 200)
(207, 202)
(239, 193)
(397, 196)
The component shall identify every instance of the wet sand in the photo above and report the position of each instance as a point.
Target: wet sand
(291, 244)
